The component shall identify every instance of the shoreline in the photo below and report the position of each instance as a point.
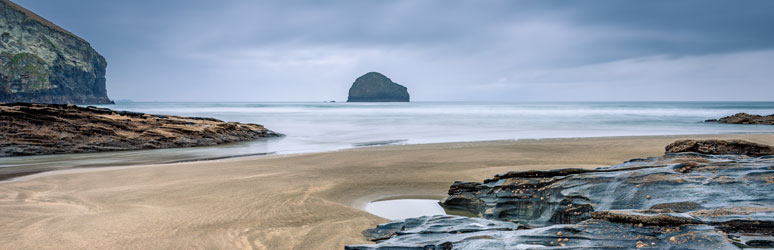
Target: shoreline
(301, 201)
(12, 176)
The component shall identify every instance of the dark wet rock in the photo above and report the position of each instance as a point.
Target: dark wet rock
(431, 224)
(589, 234)
(375, 87)
(720, 147)
(540, 198)
(34, 129)
(675, 201)
(42, 63)
(745, 118)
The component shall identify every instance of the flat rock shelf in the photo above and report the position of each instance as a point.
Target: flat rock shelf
(34, 129)
(682, 200)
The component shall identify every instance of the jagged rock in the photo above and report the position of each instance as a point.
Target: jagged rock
(589, 234)
(720, 147)
(540, 198)
(450, 224)
(745, 118)
(375, 87)
(42, 63)
(33, 129)
(676, 201)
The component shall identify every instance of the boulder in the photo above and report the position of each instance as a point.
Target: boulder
(375, 87)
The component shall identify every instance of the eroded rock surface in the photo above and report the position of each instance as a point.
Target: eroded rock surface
(676, 201)
(745, 118)
(33, 129)
(720, 147)
(589, 234)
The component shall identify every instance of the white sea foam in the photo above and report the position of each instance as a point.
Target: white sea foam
(313, 127)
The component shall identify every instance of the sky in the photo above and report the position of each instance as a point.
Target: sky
(441, 50)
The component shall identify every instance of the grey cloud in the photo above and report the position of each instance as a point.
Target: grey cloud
(448, 50)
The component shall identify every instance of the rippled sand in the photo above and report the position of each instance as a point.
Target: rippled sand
(308, 201)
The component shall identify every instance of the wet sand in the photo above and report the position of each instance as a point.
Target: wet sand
(307, 201)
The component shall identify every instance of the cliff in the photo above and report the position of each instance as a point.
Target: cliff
(42, 63)
(34, 129)
(375, 87)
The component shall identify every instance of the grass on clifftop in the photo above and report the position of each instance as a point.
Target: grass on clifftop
(32, 16)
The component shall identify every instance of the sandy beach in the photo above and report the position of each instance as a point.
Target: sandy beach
(305, 201)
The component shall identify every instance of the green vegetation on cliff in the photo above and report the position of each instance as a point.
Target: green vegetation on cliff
(42, 63)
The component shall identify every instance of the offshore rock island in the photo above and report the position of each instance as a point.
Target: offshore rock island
(375, 87)
(41, 62)
(34, 129)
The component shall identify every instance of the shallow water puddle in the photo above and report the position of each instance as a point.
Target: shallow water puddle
(398, 209)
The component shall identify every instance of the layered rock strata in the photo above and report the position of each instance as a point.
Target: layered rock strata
(42, 63)
(34, 129)
(677, 201)
(720, 147)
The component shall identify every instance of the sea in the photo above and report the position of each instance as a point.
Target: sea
(331, 126)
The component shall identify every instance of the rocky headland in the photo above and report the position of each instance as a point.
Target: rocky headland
(35, 129)
(745, 118)
(699, 195)
(375, 87)
(41, 62)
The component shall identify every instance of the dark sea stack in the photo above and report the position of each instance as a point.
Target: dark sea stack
(375, 87)
(720, 147)
(745, 118)
(35, 129)
(42, 63)
(675, 201)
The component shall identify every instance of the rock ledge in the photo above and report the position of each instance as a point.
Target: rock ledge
(720, 147)
(35, 129)
(745, 118)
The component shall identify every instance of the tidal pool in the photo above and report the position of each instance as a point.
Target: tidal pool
(398, 209)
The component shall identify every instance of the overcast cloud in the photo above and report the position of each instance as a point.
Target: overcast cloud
(442, 50)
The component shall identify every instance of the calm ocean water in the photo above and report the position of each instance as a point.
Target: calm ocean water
(314, 127)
